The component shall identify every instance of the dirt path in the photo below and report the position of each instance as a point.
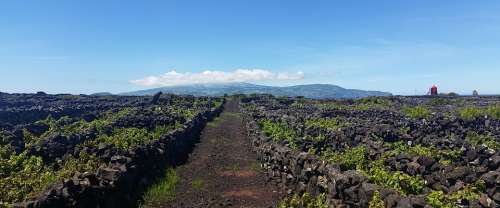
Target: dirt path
(222, 170)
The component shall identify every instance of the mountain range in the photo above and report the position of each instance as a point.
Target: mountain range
(317, 91)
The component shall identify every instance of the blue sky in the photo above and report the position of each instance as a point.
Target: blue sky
(114, 45)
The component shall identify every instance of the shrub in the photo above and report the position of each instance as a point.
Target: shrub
(305, 201)
(279, 131)
(399, 181)
(432, 152)
(349, 159)
(84, 162)
(21, 175)
(197, 184)
(332, 124)
(476, 139)
(470, 192)
(417, 112)
(470, 113)
(494, 111)
(376, 201)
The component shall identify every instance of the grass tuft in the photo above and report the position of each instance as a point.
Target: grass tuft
(164, 190)
(197, 184)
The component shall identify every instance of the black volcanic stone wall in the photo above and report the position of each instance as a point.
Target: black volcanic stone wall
(298, 172)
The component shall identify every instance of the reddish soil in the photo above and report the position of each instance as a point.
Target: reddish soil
(223, 168)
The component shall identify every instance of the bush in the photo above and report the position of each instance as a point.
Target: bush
(304, 201)
(470, 113)
(494, 111)
(399, 181)
(352, 158)
(417, 112)
(332, 124)
(476, 139)
(279, 131)
(376, 201)
(22, 175)
(470, 192)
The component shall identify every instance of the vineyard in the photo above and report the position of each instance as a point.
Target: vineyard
(107, 151)
(379, 152)
(86, 151)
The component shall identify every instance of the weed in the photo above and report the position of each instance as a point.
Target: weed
(376, 201)
(476, 139)
(163, 189)
(332, 124)
(255, 166)
(470, 113)
(417, 112)
(349, 159)
(197, 184)
(279, 131)
(306, 200)
(470, 192)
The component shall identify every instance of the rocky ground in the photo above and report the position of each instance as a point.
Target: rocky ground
(223, 171)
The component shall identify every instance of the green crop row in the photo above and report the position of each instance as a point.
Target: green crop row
(355, 158)
(417, 112)
(279, 131)
(439, 199)
(23, 176)
(471, 113)
(332, 124)
(476, 139)
(444, 156)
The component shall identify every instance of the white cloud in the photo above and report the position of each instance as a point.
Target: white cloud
(173, 78)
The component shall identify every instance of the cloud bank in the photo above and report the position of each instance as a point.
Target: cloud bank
(173, 78)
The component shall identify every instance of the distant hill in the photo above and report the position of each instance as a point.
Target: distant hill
(101, 94)
(317, 91)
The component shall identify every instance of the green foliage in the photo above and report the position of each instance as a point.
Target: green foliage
(476, 139)
(439, 102)
(332, 124)
(5, 152)
(431, 152)
(377, 102)
(494, 111)
(198, 184)
(187, 113)
(125, 138)
(417, 112)
(404, 129)
(376, 201)
(375, 170)
(163, 190)
(319, 138)
(279, 131)
(305, 201)
(21, 175)
(471, 113)
(399, 181)
(439, 199)
(83, 163)
(349, 159)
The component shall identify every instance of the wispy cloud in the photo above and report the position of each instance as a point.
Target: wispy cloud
(173, 78)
